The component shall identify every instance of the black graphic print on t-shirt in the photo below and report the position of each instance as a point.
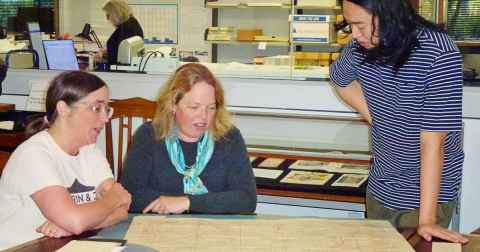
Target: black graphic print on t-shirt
(81, 193)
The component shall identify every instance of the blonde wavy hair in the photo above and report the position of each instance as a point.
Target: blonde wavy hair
(174, 90)
(118, 11)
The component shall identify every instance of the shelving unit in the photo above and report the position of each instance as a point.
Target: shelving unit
(274, 19)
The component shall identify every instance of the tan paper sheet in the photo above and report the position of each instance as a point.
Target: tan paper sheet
(350, 180)
(90, 246)
(271, 162)
(267, 173)
(307, 178)
(282, 235)
(446, 247)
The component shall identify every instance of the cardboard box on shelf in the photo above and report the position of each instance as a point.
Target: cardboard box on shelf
(312, 59)
(248, 34)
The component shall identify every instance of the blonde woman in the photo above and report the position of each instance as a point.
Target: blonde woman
(190, 158)
(120, 15)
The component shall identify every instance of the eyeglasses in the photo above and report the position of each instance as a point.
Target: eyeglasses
(99, 108)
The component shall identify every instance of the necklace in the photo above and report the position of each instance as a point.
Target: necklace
(189, 166)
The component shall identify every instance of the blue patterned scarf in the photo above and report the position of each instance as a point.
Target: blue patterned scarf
(192, 184)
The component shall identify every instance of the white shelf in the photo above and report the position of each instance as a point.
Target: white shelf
(234, 42)
(244, 6)
(313, 7)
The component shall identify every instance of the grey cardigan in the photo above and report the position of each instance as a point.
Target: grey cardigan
(228, 175)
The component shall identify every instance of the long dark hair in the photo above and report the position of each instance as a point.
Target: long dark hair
(69, 87)
(399, 26)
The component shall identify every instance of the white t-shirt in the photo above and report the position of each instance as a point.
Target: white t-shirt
(36, 164)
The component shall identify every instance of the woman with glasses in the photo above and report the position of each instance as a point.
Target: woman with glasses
(190, 158)
(57, 183)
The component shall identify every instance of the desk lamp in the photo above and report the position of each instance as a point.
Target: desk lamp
(86, 32)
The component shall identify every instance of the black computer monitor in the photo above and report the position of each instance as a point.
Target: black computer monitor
(42, 15)
(60, 55)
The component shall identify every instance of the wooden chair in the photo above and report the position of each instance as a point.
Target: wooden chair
(3, 160)
(125, 111)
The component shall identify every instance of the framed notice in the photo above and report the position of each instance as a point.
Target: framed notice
(307, 178)
(350, 180)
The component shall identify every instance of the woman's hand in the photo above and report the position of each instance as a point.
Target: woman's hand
(427, 231)
(119, 195)
(168, 205)
(104, 187)
(51, 230)
(98, 56)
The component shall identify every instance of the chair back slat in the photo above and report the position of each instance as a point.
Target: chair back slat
(3, 160)
(125, 111)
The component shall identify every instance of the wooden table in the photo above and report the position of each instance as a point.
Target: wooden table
(6, 107)
(11, 139)
(46, 244)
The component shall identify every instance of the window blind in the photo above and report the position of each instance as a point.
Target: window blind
(463, 19)
(8, 8)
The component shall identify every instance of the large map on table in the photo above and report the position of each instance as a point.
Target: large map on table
(261, 234)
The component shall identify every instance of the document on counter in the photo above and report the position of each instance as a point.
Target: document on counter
(307, 178)
(222, 233)
(93, 246)
(336, 167)
(446, 247)
(350, 180)
(271, 162)
(267, 173)
(6, 125)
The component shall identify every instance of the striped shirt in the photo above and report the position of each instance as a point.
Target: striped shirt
(424, 95)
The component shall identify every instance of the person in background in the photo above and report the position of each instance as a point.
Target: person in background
(190, 158)
(403, 74)
(58, 183)
(3, 73)
(126, 25)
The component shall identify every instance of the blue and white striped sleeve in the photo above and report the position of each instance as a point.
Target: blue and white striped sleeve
(342, 71)
(442, 108)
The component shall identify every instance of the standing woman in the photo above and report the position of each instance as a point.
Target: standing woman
(120, 15)
(58, 183)
(191, 157)
(403, 74)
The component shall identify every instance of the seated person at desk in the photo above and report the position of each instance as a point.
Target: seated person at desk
(57, 183)
(191, 157)
(120, 15)
(3, 73)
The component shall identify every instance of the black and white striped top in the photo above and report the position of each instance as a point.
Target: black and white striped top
(424, 95)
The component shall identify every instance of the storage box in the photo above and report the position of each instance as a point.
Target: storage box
(248, 34)
(316, 3)
(312, 59)
(220, 33)
(271, 38)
